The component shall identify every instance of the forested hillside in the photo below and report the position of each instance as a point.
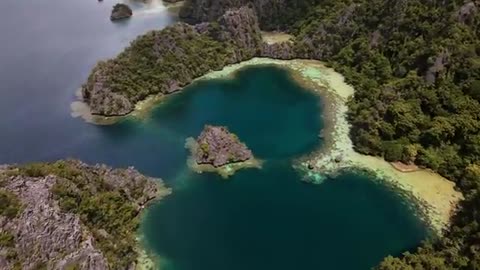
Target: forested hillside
(415, 68)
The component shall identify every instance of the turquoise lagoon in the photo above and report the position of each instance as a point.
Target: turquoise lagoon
(267, 218)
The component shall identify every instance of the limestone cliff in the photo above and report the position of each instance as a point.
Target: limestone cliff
(69, 215)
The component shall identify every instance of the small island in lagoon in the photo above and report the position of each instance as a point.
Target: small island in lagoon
(218, 150)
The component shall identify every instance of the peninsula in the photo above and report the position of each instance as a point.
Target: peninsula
(217, 149)
(70, 215)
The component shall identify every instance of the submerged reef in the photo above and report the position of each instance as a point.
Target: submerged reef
(217, 149)
(70, 215)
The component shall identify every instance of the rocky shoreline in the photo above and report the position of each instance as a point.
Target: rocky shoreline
(68, 214)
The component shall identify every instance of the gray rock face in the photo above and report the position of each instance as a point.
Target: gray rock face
(195, 11)
(237, 29)
(283, 50)
(44, 234)
(218, 147)
(120, 12)
(466, 12)
(375, 39)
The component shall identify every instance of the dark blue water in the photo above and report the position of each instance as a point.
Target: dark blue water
(259, 219)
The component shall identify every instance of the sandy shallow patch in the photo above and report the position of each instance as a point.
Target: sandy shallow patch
(435, 195)
(276, 37)
(224, 171)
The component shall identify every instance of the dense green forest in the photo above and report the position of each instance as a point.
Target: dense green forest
(415, 69)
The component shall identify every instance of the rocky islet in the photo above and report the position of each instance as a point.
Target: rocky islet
(177, 55)
(120, 12)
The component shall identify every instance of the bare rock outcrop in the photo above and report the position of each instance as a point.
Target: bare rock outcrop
(241, 27)
(272, 13)
(283, 50)
(328, 38)
(466, 12)
(439, 64)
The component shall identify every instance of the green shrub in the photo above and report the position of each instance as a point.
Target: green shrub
(6, 239)
(10, 205)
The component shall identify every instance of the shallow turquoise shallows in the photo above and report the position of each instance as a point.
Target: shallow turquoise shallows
(268, 218)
